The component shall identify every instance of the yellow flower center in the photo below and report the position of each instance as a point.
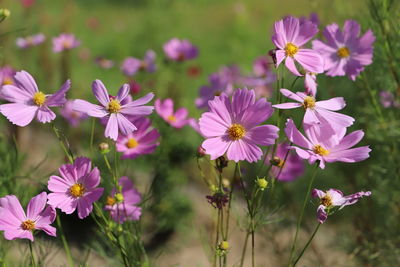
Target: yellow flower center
(77, 190)
(28, 225)
(236, 131)
(320, 150)
(7, 81)
(171, 118)
(217, 93)
(39, 98)
(132, 143)
(114, 106)
(291, 49)
(309, 102)
(343, 52)
(110, 201)
(278, 162)
(326, 200)
(67, 44)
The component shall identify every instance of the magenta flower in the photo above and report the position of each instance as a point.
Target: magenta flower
(285, 170)
(165, 109)
(345, 53)
(123, 206)
(231, 127)
(28, 102)
(17, 224)
(7, 74)
(132, 65)
(65, 41)
(180, 50)
(75, 188)
(30, 41)
(320, 144)
(334, 198)
(72, 116)
(114, 109)
(141, 142)
(289, 37)
(318, 112)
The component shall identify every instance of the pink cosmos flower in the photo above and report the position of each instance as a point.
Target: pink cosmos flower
(123, 206)
(75, 188)
(345, 53)
(180, 50)
(132, 65)
(334, 198)
(285, 170)
(165, 109)
(104, 63)
(387, 99)
(141, 142)
(289, 37)
(7, 74)
(320, 144)
(65, 41)
(30, 41)
(28, 102)
(114, 109)
(73, 117)
(232, 127)
(318, 112)
(262, 67)
(17, 224)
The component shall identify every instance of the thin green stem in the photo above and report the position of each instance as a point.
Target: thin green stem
(300, 218)
(65, 243)
(244, 249)
(31, 252)
(306, 246)
(67, 152)
(373, 100)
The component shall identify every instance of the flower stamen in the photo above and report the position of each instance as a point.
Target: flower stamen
(28, 225)
(171, 118)
(343, 52)
(39, 98)
(236, 131)
(114, 106)
(309, 102)
(326, 200)
(291, 49)
(317, 149)
(77, 190)
(132, 143)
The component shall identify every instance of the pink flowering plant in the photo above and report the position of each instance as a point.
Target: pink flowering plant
(114, 156)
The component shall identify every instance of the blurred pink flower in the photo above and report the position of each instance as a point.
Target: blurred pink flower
(76, 188)
(104, 63)
(30, 41)
(180, 50)
(73, 117)
(130, 66)
(28, 102)
(17, 224)
(165, 109)
(65, 41)
(114, 109)
(334, 198)
(231, 127)
(123, 206)
(7, 74)
(310, 83)
(143, 141)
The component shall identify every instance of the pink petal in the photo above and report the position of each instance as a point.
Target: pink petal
(141, 101)
(15, 94)
(291, 95)
(212, 125)
(222, 107)
(112, 127)
(243, 150)
(287, 105)
(310, 60)
(124, 125)
(82, 166)
(57, 184)
(280, 56)
(306, 32)
(14, 234)
(136, 110)
(317, 193)
(36, 205)
(256, 113)
(289, 63)
(279, 37)
(351, 30)
(350, 155)
(216, 146)
(92, 179)
(26, 81)
(45, 115)
(291, 25)
(295, 136)
(264, 135)
(100, 92)
(350, 140)
(58, 99)
(336, 103)
(89, 108)
(15, 208)
(337, 120)
(18, 113)
(123, 92)
(241, 100)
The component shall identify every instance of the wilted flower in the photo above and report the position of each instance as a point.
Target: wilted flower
(324, 146)
(232, 126)
(72, 116)
(132, 65)
(114, 109)
(123, 205)
(28, 102)
(180, 50)
(17, 224)
(29, 41)
(345, 53)
(219, 198)
(165, 109)
(143, 141)
(334, 198)
(289, 37)
(65, 41)
(318, 112)
(75, 188)
(288, 169)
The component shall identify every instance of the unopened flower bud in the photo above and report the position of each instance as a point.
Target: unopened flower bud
(104, 148)
(225, 182)
(119, 197)
(262, 183)
(201, 152)
(223, 245)
(4, 13)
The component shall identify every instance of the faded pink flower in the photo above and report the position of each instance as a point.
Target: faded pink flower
(165, 109)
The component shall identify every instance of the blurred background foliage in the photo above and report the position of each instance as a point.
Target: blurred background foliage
(226, 32)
